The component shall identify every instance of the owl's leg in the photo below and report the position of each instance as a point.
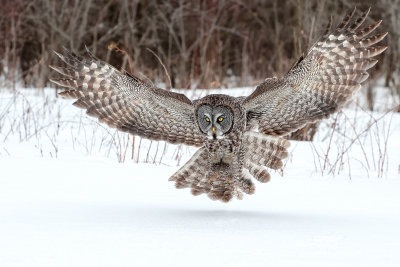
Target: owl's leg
(245, 183)
(222, 184)
(242, 178)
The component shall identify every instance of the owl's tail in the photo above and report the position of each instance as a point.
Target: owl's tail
(215, 180)
(222, 181)
(193, 170)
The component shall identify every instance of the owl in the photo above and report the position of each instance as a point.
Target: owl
(238, 138)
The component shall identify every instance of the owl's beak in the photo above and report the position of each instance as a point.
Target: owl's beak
(213, 132)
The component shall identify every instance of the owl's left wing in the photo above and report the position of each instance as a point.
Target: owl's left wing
(319, 83)
(126, 103)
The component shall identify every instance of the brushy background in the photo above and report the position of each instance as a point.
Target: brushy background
(184, 44)
(202, 43)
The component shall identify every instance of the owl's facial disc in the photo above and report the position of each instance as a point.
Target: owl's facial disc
(215, 122)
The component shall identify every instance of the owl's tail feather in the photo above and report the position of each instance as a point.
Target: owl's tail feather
(194, 169)
(214, 180)
(257, 171)
(223, 182)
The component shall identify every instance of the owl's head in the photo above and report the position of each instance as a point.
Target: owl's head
(215, 121)
(218, 115)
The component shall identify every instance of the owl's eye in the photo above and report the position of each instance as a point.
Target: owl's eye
(220, 119)
(207, 119)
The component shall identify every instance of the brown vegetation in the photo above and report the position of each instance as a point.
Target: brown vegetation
(201, 43)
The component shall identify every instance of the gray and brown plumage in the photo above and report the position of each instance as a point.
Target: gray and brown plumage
(239, 137)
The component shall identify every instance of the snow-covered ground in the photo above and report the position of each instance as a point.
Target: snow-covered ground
(71, 195)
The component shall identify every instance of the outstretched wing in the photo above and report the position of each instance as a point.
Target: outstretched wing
(126, 103)
(319, 83)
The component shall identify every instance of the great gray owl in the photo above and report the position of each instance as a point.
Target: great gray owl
(238, 136)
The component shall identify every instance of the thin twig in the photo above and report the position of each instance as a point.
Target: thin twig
(165, 69)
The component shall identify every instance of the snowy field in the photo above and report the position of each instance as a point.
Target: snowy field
(75, 193)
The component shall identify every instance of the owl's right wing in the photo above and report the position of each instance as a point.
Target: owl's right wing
(126, 103)
(320, 83)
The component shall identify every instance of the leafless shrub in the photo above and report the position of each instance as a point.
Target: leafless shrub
(366, 140)
(202, 44)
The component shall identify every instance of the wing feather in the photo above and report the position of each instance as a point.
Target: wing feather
(319, 83)
(126, 103)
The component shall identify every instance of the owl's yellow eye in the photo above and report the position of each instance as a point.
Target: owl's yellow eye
(207, 119)
(220, 119)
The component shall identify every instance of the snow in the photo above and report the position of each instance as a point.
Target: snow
(66, 200)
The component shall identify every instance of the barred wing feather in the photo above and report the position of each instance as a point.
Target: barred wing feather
(320, 83)
(126, 103)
